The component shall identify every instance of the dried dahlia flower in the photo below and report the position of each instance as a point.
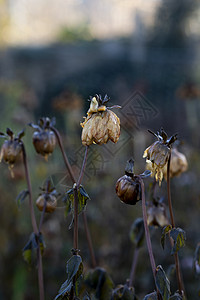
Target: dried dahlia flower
(156, 214)
(101, 124)
(157, 155)
(11, 148)
(178, 164)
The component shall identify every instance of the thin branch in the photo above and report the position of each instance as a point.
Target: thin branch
(134, 265)
(177, 264)
(34, 225)
(147, 234)
(83, 167)
(89, 240)
(67, 164)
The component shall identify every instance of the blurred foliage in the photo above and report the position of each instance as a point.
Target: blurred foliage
(74, 34)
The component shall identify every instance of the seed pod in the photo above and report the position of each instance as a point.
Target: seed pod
(128, 189)
(11, 151)
(51, 202)
(44, 139)
(44, 142)
(101, 124)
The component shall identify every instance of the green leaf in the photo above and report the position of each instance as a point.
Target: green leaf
(162, 283)
(100, 283)
(137, 233)
(197, 260)
(176, 296)
(123, 292)
(152, 296)
(165, 230)
(21, 197)
(83, 197)
(179, 237)
(74, 269)
(28, 250)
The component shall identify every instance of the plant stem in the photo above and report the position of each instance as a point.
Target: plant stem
(134, 264)
(34, 225)
(178, 272)
(147, 234)
(68, 166)
(148, 239)
(66, 161)
(89, 240)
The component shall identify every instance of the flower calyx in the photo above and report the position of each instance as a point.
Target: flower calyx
(44, 139)
(47, 200)
(11, 148)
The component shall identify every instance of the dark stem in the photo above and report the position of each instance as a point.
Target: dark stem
(76, 201)
(67, 164)
(178, 272)
(134, 265)
(83, 167)
(42, 215)
(89, 240)
(147, 234)
(75, 221)
(148, 239)
(33, 219)
(34, 225)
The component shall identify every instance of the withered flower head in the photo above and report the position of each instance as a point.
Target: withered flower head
(47, 200)
(11, 148)
(128, 187)
(158, 153)
(156, 214)
(101, 124)
(178, 164)
(44, 139)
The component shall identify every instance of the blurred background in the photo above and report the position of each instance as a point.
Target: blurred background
(53, 56)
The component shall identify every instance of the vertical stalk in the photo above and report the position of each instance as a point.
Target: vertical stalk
(89, 240)
(133, 268)
(147, 234)
(148, 239)
(68, 166)
(177, 264)
(34, 225)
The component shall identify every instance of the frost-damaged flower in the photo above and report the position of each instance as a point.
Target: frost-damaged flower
(156, 214)
(47, 198)
(101, 124)
(178, 164)
(11, 148)
(44, 139)
(157, 155)
(128, 187)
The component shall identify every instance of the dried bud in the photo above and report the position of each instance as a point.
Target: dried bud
(11, 151)
(157, 155)
(156, 215)
(101, 124)
(11, 148)
(48, 198)
(178, 164)
(128, 189)
(44, 139)
(51, 203)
